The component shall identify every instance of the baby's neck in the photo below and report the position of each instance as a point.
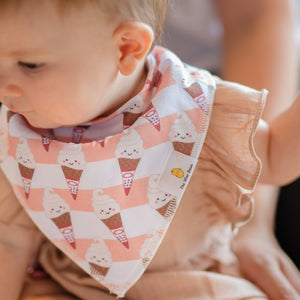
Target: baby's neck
(126, 87)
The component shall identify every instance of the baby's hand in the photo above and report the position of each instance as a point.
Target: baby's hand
(263, 262)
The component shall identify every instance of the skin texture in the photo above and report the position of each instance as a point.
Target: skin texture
(260, 51)
(76, 81)
(86, 74)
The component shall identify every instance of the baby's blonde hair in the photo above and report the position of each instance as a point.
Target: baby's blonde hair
(151, 12)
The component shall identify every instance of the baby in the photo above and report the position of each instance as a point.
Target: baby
(189, 142)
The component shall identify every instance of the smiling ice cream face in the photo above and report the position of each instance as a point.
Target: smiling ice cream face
(24, 155)
(130, 146)
(99, 254)
(104, 206)
(157, 198)
(136, 106)
(59, 212)
(53, 204)
(71, 156)
(183, 130)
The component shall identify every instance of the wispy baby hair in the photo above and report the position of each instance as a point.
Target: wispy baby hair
(151, 12)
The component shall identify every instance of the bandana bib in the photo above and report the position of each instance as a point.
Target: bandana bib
(105, 192)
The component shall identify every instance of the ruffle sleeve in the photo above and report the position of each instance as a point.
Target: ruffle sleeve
(229, 166)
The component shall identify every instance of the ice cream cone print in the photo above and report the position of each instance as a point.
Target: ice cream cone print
(197, 94)
(64, 225)
(72, 177)
(97, 270)
(152, 116)
(27, 174)
(115, 225)
(78, 132)
(26, 164)
(45, 142)
(133, 111)
(167, 209)
(108, 211)
(185, 148)
(183, 134)
(129, 118)
(59, 213)
(72, 162)
(128, 167)
(101, 143)
(99, 259)
(129, 152)
(164, 203)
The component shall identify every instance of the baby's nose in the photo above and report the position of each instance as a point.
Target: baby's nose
(8, 88)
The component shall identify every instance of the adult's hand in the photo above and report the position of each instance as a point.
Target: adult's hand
(263, 262)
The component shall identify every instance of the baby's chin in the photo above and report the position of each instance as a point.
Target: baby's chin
(37, 122)
(40, 122)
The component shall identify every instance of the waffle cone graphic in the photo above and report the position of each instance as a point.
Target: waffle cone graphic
(64, 224)
(45, 142)
(197, 94)
(129, 118)
(101, 143)
(128, 167)
(26, 174)
(72, 177)
(115, 225)
(168, 209)
(97, 270)
(77, 133)
(152, 116)
(185, 148)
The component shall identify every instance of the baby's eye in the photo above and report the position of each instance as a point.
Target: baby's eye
(30, 66)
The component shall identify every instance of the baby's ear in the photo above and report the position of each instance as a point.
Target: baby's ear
(133, 41)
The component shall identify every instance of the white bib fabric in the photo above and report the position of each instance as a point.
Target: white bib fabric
(106, 191)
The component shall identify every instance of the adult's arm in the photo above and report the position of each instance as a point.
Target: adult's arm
(260, 51)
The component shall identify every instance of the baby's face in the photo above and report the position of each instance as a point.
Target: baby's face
(56, 68)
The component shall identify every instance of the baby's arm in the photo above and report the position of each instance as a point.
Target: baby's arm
(278, 146)
(18, 236)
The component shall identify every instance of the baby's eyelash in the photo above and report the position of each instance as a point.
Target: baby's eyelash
(31, 66)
